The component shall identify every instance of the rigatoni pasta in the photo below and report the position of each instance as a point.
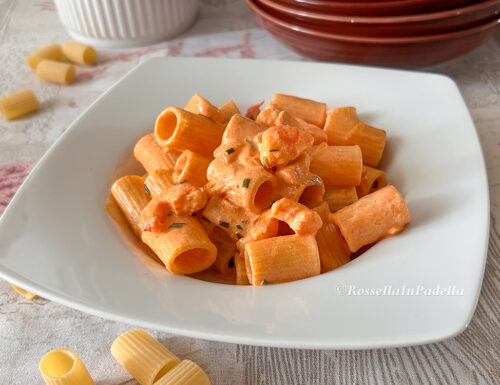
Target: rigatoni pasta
(19, 104)
(268, 198)
(185, 373)
(56, 72)
(64, 367)
(79, 53)
(49, 52)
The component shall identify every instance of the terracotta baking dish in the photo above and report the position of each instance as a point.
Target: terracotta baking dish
(409, 25)
(405, 52)
(374, 7)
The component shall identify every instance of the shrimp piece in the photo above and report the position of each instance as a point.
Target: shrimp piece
(281, 144)
(253, 111)
(300, 218)
(179, 199)
(265, 226)
(316, 132)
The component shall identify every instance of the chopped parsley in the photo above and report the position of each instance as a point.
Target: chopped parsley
(246, 182)
(176, 225)
(147, 189)
(180, 182)
(224, 224)
(239, 227)
(230, 150)
(274, 150)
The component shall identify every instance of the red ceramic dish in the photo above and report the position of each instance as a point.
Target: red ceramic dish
(413, 25)
(405, 52)
(374, 7)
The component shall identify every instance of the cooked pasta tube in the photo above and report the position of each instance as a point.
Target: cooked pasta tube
(158, 181)
(152, 157)
(373, 217)
(309, 110)
(316, 132)
(228, 109)
(282, 259)
(55, 72)
(226, 248)
(185, 373)
(19, 104)
(183, 245)
(298, 217)
(344, 128)
(49, 52)
(183, 130)
(372, 179)
(241, 270)
(287, 119)
(248, 186)
(239, 132)
(333, 250)
(64, 367)
(339, 166)
(312, 192)
(191, 167)
(131, 196)
(143, 356)
(199, 105)
(233, 219)
(340, 197)
(79, 53)
(25, 293)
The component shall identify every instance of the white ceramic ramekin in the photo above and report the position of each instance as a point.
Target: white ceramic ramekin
(125, 23)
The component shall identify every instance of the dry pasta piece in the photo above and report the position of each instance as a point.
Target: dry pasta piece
(183, 245)
(282, 259)
(241, 270)
(279, 145)
(25, 293)
(50, 52)
(132, 198)
(142, 356)
(344, 128)
(181, 130)
(300, 218)
(229, 109)
(56, 72)
(64, 367)
(311, 111)
(339, 166)
(199, 105)
(185, 373)
(233, 219)
(339, 197)
(191, 167)
(79, 53)
(152, 157)
(372, 179)
(19, 104)
(373, 217)
(333, 250)
(248, 186)
(158, 181)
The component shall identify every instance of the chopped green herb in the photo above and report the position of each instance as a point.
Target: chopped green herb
(246, 182)
(239, 235)
(205, 219)
(180, 182)
(224, 224)
(230, 150)
(265, 282)
(170, 212)
(265, 162)
(176, 225)
(239, 227)
(251, 144)
(147, 189)
(274, 150)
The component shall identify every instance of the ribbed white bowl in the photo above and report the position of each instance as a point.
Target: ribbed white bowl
(125, 23)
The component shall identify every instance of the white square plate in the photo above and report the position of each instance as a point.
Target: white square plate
(57, 240)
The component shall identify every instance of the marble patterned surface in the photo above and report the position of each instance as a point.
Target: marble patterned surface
(226, 28)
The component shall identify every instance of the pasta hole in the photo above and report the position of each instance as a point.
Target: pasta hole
(164, 370)
(311, 196)
(190, 261)
(57, 363)
(166, 126)
(231, 262)
(284, 229)
(264, 196)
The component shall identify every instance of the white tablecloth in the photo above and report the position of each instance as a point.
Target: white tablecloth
(226, 28)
